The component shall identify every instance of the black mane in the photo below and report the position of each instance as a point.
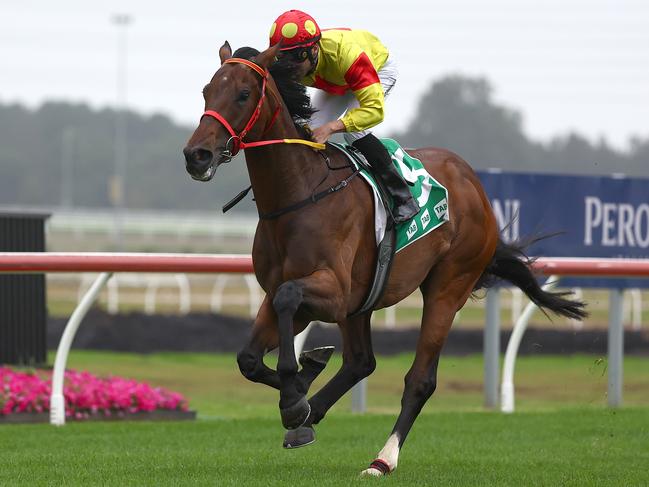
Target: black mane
(294, 93)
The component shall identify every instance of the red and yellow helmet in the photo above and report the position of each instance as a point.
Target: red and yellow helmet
(294, 29)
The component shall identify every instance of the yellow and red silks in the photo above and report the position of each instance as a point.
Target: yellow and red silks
(349, 61)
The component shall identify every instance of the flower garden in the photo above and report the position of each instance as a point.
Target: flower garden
(86, 396)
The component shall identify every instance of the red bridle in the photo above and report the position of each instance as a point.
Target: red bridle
(237, 140)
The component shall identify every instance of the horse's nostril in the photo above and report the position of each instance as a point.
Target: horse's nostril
(202, 156)
(197, 155)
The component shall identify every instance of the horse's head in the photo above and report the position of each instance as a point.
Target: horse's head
(233, 107)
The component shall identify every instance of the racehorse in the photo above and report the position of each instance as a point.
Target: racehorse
(315, 257)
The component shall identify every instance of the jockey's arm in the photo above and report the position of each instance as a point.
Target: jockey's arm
(322, 134)
(363, 81)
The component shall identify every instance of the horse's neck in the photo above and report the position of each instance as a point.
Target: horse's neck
(282, 174)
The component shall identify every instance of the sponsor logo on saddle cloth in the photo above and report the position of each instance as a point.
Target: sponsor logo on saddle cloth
(431, 196)
(412, 229)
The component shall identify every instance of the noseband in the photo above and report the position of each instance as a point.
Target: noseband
(235, 142)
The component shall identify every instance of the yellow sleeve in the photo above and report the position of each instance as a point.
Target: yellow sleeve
(363, 81)
(370, 112)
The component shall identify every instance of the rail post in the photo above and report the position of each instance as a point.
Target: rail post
(615, 347)
(507, 387)
(359, 397)
(492, 348)
(57, 401)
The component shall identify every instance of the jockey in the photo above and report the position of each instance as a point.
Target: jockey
(355, 72)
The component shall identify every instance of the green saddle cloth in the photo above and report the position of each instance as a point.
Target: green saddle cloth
(431, 196)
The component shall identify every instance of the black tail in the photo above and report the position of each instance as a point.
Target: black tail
(512, 264)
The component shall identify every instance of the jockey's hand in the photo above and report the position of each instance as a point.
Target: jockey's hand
(322, 134)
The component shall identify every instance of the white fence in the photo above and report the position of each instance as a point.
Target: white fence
(220, 285)
(106, 264)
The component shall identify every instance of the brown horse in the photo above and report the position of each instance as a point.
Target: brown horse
(316, 261)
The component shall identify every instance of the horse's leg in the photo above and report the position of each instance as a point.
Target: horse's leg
(358, 363)
(444, 294)
(320, 292)
(264, 338)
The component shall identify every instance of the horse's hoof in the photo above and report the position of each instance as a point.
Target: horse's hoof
(371, 472)
(302, 436)
(317, 357)
(377, 468)
(296, 415)
(313, 362)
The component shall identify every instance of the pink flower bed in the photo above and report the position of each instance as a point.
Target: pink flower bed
(85, 395)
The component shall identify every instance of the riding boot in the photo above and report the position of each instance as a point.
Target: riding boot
(405, 206)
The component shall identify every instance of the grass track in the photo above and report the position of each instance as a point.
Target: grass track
(215, 387)
(569, 447)
(561, 434)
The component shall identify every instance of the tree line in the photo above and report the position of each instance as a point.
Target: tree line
(460, 113)
(63, 153)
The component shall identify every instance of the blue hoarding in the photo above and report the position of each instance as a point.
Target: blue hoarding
(593, 216)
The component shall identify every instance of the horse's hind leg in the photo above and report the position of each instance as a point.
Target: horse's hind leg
(444, 294)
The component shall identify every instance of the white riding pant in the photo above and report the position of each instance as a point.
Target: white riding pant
(331, 107)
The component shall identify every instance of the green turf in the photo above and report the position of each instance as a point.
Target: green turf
(215, 387)
(570, 447)
(561, 434)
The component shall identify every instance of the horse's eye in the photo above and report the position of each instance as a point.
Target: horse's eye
(243, 96)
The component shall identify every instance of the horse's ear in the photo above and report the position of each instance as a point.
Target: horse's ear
(268, 57)
(225, 52)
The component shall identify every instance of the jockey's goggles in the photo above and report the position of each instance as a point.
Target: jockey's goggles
(297, 55)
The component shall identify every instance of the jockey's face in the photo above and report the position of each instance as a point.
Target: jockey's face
(301, 60)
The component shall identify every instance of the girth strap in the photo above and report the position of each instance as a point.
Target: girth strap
(385, 250)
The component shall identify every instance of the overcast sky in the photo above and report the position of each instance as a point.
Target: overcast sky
(578, 65)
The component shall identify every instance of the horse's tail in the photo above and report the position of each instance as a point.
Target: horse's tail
(511, 263)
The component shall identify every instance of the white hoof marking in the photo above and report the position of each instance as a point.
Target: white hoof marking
(390, 452)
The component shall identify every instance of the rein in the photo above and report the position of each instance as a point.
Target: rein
(314, 198)
(235, 142)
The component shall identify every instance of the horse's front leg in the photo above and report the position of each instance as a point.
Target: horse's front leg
(358, 363)
(265, 337)
(318, 294)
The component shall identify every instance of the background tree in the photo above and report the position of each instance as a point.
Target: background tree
(458, 113)
(33, 145)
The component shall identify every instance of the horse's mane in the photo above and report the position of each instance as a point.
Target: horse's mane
(293, 93)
